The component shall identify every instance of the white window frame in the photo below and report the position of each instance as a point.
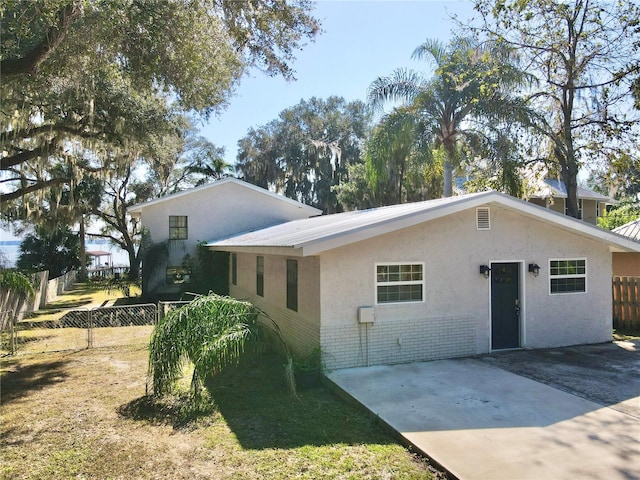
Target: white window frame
(574, 275)
(407, 282)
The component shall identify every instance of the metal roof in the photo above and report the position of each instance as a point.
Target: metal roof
(630, 230)
(311, 236)
(556, 188)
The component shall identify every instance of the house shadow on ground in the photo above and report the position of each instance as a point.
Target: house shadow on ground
(258, 407)
(254, 401)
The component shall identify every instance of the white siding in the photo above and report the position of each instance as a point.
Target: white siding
(213, 213)
(454, 320)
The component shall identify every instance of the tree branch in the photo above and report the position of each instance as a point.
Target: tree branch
(29, 63)
(23, 156)
(5, 197)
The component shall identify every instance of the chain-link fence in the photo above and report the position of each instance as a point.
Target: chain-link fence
(76, 329)
(122, 325)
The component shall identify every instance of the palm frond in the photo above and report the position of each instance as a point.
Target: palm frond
(403, 85)
(211, 332)
(432, 50)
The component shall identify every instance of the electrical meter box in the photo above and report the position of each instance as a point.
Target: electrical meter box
(365, 315)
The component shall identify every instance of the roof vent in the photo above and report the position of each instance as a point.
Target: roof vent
(482, 218)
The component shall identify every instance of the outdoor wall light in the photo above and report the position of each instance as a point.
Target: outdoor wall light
(535, 269)
(485, 270)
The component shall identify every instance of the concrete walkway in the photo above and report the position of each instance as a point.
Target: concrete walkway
(482, 422)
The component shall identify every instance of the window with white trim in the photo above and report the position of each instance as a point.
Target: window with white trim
(568, 276)
(399, 282)
(177, 275)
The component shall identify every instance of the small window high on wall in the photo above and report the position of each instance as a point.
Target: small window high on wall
(178, 229)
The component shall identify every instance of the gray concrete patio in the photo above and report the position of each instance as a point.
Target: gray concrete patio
(482, 422)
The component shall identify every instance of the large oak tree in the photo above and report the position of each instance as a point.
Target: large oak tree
(84, 79)
(584, 55)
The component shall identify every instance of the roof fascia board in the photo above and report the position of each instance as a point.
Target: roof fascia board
(286, 251)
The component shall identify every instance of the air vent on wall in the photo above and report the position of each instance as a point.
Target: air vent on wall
(482, 218)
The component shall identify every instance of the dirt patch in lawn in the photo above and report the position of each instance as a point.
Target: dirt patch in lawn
(85, 414)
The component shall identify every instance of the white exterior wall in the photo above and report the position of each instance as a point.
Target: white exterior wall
(300, 329)
(454, 319)
(213, 213)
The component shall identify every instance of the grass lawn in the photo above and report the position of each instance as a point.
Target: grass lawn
(621, 334)
(84, 414)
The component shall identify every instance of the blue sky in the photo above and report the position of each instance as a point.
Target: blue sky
(362, 39)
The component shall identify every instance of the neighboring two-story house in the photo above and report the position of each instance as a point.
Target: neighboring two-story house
(552, 194)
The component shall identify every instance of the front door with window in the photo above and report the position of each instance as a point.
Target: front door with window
(505, 305)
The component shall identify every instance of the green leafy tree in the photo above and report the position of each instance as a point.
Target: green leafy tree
(618, 216)
(356, 194)
(83, 79)
(618, 178)
(305, 152)
(57, 251)
(466, 97)
(583, 55)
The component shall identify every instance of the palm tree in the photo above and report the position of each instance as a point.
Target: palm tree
(467, 86)
(211, 332)
(395, 158)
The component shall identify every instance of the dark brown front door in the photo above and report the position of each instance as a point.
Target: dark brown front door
(505, 306)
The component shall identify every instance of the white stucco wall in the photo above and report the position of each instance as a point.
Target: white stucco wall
(300, 329)
(454, 319)
(214, 213)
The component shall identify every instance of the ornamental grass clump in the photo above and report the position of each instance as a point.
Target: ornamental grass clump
(211, 332)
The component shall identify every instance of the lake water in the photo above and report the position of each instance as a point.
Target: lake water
(10, 250)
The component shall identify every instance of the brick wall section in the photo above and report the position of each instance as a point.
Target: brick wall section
(400, 341)
(300, 334)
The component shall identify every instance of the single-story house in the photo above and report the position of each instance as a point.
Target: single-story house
(627, 264)
(552, 193)
(438, 279)
(217, 209)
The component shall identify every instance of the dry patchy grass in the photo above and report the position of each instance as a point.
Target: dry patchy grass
(84, 414)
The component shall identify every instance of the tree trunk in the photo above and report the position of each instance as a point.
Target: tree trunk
(134, 264)
(448, 179)
(449, 157)
(570, 179)
(83, 252)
